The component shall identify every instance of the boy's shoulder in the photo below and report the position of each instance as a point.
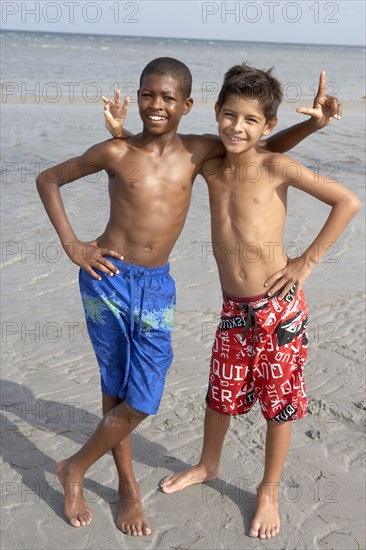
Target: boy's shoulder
(263, 155)
(275, 160)
(112, 145)
(104, 154)
(203, 146)
(199, 138)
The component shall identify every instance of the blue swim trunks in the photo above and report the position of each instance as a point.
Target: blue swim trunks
(130, 319)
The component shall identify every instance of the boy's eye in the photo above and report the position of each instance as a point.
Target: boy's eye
(168, 98)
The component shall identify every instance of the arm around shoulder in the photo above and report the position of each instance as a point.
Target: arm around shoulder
(204, 148)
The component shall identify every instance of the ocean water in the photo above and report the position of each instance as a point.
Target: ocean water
(51, 110)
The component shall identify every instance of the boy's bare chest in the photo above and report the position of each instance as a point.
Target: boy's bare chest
(256, 188)
(149, 172)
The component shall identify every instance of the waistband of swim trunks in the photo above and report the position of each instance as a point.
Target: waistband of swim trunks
(243, 299)
(248, 299)
(151, 272)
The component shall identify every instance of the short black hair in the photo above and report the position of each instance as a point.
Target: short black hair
(250, 83)
(172, 67)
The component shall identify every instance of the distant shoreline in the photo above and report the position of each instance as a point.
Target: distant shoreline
(157, 39)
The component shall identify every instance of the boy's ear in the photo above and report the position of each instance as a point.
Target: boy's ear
(269, 126)
(188, 103)
(217, 111)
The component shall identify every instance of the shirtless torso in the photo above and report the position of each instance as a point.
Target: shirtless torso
(150, 190)
(248, 211)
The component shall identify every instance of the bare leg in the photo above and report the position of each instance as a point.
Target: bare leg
(131, 519)
(266, 521)
(115, 426)
(216, 426)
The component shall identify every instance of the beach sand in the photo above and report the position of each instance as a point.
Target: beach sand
(51, 403)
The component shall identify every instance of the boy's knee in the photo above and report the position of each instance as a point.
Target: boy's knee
(124, 413)
(132, 414)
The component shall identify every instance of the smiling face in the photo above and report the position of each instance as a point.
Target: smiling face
(241, 123)
(161, 103)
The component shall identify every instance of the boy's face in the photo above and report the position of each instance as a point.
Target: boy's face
(241, 123)
(161, 103)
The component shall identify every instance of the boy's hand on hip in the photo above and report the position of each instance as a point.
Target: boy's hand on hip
(115, 113)
(325, 107)
(89, 255)
(293, 275)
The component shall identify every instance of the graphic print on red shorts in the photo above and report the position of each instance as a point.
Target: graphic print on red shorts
(259, 352)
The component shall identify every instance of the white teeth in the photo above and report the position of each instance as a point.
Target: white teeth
(154, 117)
(234, 139)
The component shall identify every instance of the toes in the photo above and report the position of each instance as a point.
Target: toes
(164, 481)
(254, 529)
(85, 518)
(75, 522)
(253, 533)
(139, 530)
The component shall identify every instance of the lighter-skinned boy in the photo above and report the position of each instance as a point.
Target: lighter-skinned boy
(129, 304)
(261, 342)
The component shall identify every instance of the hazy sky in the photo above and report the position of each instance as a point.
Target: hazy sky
(302, 21)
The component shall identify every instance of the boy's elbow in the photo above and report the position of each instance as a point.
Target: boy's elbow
(45, 179)
(40, 180)
(353, 204)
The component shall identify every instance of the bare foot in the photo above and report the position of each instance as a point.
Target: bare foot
(131, 518)
(177, 482)
(266, 521)
(76, 509)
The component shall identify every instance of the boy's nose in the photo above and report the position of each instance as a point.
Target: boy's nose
(237, 127)
(156, 102)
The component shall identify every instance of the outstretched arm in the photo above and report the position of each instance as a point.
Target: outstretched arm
(85, 254)
(115, 113)
(345, 206)
(324, 109)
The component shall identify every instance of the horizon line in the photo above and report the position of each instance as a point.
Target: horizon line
(185, 38)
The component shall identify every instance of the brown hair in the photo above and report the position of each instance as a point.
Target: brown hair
(250, 83)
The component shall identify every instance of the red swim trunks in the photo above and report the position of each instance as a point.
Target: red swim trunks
(259, 353)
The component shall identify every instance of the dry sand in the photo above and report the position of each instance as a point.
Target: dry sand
(51, 403)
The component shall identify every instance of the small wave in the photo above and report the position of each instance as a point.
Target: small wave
(35, 280)
(10, 262)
